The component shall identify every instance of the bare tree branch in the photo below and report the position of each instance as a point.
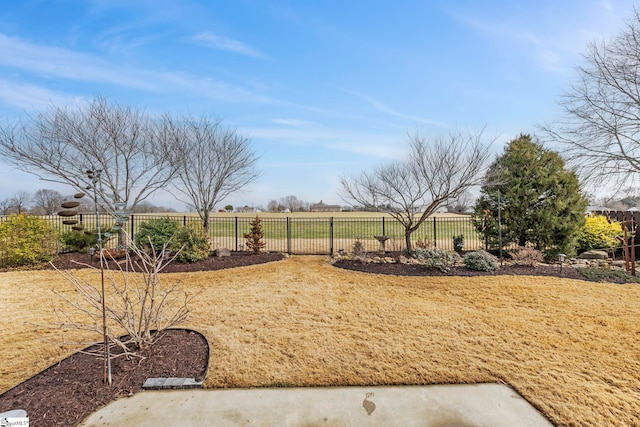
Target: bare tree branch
(436, 170)
(211, 161)
(600, 130)
(61, 143)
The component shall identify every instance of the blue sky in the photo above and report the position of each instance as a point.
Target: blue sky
(323, 88)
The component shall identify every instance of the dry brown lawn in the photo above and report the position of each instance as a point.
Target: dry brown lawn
(570, 347)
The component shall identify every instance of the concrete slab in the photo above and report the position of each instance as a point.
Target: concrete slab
(492, 405)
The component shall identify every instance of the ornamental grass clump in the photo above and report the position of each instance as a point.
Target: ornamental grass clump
(434, 258)
(481, 261)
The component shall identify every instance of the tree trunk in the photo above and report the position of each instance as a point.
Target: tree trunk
(407, 239)
(205, 222)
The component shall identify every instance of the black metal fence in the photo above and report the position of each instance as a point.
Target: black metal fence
(307, 234)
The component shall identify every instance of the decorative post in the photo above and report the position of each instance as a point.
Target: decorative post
(94, 176)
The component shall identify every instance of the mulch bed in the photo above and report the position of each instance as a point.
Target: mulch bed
(418, 270)
(66, 393)
(75, 260)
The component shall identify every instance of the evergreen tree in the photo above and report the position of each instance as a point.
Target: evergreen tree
(255, 235)
(541, 201)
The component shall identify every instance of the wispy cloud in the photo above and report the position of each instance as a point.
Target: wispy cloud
(555, 43)
(292, 122)
(49, 62)
(364, 144)
(222, 43)
(378, 105)
(28, 97)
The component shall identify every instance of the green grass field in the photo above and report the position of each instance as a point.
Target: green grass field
(309, 232)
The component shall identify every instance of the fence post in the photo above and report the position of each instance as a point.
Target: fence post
(288, 236)
(184, 220)
(383, 231)
(486, 234)
(331, 236)
(435, 237)
(131, 218)
(236, 234)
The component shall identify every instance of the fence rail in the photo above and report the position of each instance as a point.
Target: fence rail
(307, 235)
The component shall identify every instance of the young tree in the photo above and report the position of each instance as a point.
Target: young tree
(436, 171)
(255, 236)
(600, 129)
(47, 202)
(540, 201)
(60, 144)
(211, 161)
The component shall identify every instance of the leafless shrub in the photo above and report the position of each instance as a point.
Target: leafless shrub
(526, 255)
(137, 301)
(358, 248)
(424, 244)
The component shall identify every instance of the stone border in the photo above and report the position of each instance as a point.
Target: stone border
(171, 384)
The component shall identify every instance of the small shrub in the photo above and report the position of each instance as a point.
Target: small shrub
(434, 258)
(599, 233)
(192, 242)
(481, 261)
(78, 241)
(156, 232)
(526, 255)
(358, 248)
(423, 244)
(254, 236)
(458, 242)
(81, 241)
(26, 240)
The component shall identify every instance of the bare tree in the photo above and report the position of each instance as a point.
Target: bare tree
(435, 171)
(293, 203)
(47, 202)
(60, 144)
(274, 206)
(5, 206)
(600, 128)
(211, 161)
(20, 202)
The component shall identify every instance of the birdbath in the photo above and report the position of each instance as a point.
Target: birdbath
(382, 240)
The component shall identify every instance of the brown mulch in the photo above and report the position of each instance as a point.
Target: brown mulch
(75, 260)
(419, 270)
(66, 393)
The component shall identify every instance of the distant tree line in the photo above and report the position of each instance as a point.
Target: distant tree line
(47, 202)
